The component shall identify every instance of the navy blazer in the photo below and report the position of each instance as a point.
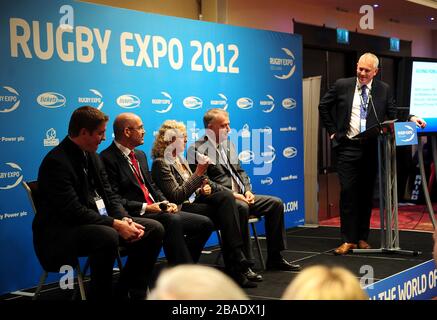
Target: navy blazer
(335, 107)
(124, 182)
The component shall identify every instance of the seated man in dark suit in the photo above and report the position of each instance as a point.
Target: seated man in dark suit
(225, 173)
(185, 233)
(81, 216)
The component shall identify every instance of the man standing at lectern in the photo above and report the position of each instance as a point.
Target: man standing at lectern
(349, 107)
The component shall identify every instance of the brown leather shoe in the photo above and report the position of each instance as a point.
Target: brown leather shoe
(363, 245)
(345, 248)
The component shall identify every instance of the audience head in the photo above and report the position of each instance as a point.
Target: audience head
(129, 130)
(195, 282)
(324, 283)
(367, 68)
(170, 140)
(87, 128)
(217, 121)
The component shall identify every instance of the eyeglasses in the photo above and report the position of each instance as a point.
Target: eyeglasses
(139, 128)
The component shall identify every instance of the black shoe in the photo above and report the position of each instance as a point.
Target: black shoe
(282, 265)
(241, 280)
(253, 276)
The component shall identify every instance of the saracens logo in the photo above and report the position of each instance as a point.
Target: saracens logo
(192, 103)
(246, 156)
(289, 103)
(165, 102)
(223, 103)
(268, 105)
(96, 101)
(289, 152)
(244, 103)
(128, 101)
(9, 101)
(10, 176)
(51, 140)
(51, 100)
(286, 65)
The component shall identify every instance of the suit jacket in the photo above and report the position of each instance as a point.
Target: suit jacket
(218, 173)
(64, 196)
(171, 181)
(123, 180)
(335, 107)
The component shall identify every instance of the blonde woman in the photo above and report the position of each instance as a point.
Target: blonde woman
(192, 192)
(325, 283)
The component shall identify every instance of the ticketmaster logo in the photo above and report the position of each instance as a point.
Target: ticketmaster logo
(128, 101)
(51, 100)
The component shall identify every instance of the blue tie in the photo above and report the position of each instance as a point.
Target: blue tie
(363, 108)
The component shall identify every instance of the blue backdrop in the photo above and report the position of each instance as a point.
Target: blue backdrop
(55, 59)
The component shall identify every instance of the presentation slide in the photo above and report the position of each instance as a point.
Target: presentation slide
(423, 99)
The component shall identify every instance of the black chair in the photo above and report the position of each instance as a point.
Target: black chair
(31, 188)
(252, 221)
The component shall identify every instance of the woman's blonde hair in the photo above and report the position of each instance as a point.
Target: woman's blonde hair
(325, 283)
(169, 130)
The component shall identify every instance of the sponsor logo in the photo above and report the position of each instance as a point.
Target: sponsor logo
(51, 140)
(9, 101)
(289, 152)
(128, 101)
(246, 156)
(270, 154)
(267, 181)
(223, 103)
(291, 206)
(268, 105)
(96, 101)
(287, 129)
(245, 131)
(51, 100)
(266, 130)
(407, 135)
(12, 139)
(289, 103)
(290, 177)
(192, 103)
(166, 103)
(10, 178)
(286, 65)
(244, 103)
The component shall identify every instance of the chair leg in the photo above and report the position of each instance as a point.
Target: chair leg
(219, 238)
(258, 246)
(42, 280)
(80, 283)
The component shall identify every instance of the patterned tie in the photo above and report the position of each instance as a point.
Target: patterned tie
(363, 108)
(233, 174)
(134, 161)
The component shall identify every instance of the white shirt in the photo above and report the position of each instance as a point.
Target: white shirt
(354, 125)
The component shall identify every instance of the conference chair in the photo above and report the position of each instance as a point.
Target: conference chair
(252, 222)
(31, 188)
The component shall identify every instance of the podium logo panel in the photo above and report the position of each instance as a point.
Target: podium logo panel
(405, 133)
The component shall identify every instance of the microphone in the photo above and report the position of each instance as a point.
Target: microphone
(374, 110)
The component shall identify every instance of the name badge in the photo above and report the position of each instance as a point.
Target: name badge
(362, 125)
(192, 198)
(100, 206)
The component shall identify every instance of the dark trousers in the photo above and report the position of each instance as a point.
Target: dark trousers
(221, 208)
(357, 167)
(272, 209)
(185, 235)
(61, 245)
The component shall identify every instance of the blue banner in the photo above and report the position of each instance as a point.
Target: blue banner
(56, 57)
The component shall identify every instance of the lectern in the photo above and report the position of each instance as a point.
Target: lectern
(388, 196)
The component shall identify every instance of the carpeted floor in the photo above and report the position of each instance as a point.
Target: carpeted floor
(410, 217)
